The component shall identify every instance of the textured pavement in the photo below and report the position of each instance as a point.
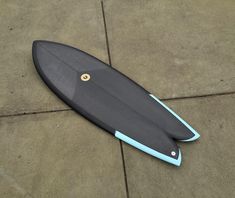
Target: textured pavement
(182, 51)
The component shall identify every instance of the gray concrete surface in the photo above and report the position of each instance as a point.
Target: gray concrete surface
(175, 49)
(77, 23)
(58, 155)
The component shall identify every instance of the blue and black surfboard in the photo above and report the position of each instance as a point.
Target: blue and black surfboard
(111, 100)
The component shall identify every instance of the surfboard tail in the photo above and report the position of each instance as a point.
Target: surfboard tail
(177, 128)
(171, 154)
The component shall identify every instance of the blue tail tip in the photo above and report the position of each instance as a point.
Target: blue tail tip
(195, 137)
(177, 162)
(148, 150)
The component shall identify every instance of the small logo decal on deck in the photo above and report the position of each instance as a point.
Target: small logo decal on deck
(85, 77)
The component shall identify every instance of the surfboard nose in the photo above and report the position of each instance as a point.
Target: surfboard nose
(36, 42)
(75, 58)
(53, 70)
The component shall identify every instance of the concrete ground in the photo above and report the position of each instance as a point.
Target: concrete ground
(182, 51)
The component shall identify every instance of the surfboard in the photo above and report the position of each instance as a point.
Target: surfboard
(111, 100)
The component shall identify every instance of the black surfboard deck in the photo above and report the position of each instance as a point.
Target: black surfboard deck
(111, 100)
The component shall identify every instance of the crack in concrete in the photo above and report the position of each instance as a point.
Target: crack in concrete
(110, 63)
(162, 99)
(198, 96)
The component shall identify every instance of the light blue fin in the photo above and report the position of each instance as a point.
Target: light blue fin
(148, 150)
(196, 134)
